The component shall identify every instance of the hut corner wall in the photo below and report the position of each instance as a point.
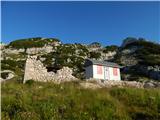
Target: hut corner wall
(89, 72)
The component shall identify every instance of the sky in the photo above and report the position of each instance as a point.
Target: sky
(80, 22)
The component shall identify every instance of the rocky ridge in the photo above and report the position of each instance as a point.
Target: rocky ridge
(138, 56)
(54, 55)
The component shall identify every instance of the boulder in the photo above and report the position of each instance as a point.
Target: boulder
(149, 85)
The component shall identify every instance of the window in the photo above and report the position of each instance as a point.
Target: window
(115, 71)
(99, 69)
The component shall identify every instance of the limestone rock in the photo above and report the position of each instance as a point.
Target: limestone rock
(117, 83)
(149, 85)
(152, 84)
(9, 76)
(109, 55)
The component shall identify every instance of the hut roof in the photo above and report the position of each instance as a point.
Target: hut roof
(89, 62)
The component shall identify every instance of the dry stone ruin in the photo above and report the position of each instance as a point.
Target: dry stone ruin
(35, 70)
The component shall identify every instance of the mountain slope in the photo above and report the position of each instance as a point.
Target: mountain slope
(139, 58)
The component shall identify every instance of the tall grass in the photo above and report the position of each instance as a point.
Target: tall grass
(67, 101)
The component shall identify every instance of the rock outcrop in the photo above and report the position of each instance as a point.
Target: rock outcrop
(94, 84)
(139, 58)
(8, 74)
(108, 56)
(128, 41)
(34, 50)
(35, 70)
(111, 83)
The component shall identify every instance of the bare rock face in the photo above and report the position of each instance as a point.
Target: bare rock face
(13, 51)
(96, 84)
(132, 84)
(107, 56)
(35, 70)
(45, 49)
(34, 50)
(130, 50)
(149, 85)
(152, 84)
(128, 60)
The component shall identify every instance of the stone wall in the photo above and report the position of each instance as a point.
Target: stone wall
(35, 70)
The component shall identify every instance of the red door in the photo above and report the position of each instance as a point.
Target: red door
(115, 71)
(99, 69)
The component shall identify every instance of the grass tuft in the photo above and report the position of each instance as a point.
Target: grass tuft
(67, 101)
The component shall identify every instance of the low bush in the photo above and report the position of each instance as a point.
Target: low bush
(4, 75)
(95, 55)
(32, 42)
(110, 48)
(29, 82)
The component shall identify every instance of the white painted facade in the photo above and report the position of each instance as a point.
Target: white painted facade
(102, 72)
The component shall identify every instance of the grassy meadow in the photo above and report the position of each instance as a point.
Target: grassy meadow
(68, 101)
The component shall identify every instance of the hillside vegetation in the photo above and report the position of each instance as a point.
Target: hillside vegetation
(136, 57)
(32, 42)
(148, 52)
(67, 101)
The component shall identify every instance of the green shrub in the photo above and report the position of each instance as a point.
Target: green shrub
(95, 44)
(110, 48)
(95, 55)
(4, 75)
(29, 82)
(32, 42)
(12, 64)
